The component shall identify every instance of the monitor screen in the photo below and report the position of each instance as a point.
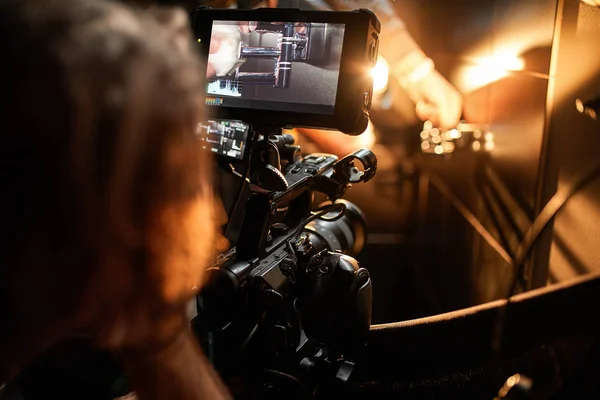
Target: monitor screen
(279, 66)
(225, 138)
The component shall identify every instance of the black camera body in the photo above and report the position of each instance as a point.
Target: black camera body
(289, 297)
(289, 67)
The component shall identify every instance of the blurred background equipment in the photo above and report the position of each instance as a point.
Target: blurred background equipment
(453, 203)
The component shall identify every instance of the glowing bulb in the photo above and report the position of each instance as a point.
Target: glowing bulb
(448, 147)
(489, 137)
(455, 134)
(436, 139)
(489, 146)
(380, 74)
(476, 146)
(435, 132)
(424, 135)
(438, 149)
(425, 145)
(427, 125)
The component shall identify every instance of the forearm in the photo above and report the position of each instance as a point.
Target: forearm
(179, 372)
(395, 41)
(338, 143)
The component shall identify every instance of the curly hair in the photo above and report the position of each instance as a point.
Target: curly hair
(106, 193)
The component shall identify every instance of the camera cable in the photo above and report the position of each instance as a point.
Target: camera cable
(552, 207)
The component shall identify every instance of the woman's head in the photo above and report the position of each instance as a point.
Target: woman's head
(105, 192)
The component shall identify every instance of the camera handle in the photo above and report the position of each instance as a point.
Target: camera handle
(265, 168)
(344, 173)
(266, 161)
(267, 181)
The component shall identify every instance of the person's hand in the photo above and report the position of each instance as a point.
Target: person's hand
(223, 53)
(338, 143)
(211, 68)
(247, 27)
(224, 45)
(437, 100)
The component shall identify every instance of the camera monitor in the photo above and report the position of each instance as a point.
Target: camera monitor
(281, 68)
(224, 137)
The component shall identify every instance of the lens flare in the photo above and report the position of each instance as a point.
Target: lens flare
(380, 74)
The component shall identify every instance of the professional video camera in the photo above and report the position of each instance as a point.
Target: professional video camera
(287, 305)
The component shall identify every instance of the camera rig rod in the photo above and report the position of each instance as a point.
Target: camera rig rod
(284, 62)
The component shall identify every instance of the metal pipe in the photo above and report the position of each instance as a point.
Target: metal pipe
(259, 52)
(283, 68)
(256, 77)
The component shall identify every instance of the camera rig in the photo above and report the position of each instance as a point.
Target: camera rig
(289, 305)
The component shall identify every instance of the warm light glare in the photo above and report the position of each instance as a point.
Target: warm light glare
(438, 149)
(425, 145)
(593, 3)
(455, 134)
(366, 139)
(476, 146)
(487, 70)
(448, 147)
(452, 134)
(424, 135)
(380, 74)
(507, 61)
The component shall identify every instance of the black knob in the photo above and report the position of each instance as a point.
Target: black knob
(307, 363)
(270, 178)
(278, 229)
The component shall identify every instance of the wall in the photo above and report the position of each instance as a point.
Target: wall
(570, 247)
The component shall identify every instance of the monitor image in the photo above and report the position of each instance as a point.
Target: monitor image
(279, 66)
(225, 138)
